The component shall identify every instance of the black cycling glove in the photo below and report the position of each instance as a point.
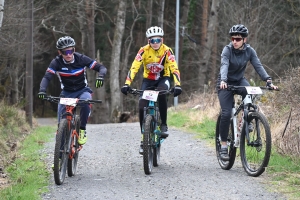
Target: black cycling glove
(125, 89)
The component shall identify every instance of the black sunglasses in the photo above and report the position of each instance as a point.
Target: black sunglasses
(236, 39)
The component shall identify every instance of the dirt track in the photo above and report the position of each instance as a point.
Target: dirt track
(111, 168)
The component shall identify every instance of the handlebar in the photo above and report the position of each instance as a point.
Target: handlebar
(85, 101)
(137, 91)
(233, 87)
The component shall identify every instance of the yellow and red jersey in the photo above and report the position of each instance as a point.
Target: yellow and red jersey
(157, 63)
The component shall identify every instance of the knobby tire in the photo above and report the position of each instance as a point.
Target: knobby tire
(60, 155)
(156, 156)
(255, 157)
(148, 144)
(72, 162)
(226, 165)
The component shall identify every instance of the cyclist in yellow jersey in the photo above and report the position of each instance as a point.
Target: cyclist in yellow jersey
(159, 64)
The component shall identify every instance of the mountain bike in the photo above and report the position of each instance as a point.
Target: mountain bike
(66, 151)
(249, 130)
(152, 139)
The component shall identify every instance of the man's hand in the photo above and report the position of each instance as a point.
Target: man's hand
(99, 82)
(125, 89)
(270, 84)
(223, 85)
(177, 90)
(42, 95)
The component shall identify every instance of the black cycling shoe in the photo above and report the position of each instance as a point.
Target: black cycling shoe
(224, 154)
(164, 131)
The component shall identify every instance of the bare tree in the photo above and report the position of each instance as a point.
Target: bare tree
(115, 62)
(161, 14)
(1, 11)
(207, 50)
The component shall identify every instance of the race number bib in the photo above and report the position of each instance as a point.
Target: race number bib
(150, 95)
(155, 67)
(253, 90)
(68, 101)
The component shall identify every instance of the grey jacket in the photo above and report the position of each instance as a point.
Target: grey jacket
(234, 62)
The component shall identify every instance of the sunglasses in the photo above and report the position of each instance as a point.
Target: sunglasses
(155, 40)
(236, 39)
(66, 52)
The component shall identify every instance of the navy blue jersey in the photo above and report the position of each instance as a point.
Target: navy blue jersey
(72, 75)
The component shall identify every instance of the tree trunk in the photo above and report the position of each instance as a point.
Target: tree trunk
(86, 15)
(183, 22)
(149, 14)
(1, 11)
(207, 50)
(161, 14)
(115, 62)
(204, 22)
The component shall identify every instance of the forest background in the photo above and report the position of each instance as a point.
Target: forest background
(112, 31)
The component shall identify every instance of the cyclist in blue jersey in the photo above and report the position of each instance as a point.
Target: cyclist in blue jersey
(70, 67)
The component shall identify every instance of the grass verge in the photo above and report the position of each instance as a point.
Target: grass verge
(283, 171)
(28, 175)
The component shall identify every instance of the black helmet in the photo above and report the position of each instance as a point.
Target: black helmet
(65, 42)
(239, 29)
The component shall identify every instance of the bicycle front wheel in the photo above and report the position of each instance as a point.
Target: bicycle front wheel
(255, 153)
(226, 165)
(148, 144)
(60, 152)
(74, 153)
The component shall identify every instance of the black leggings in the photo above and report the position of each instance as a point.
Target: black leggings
(161, 84)
(226, 100)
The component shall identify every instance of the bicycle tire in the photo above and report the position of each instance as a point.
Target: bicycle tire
(148, 144)
(156, 157)
(60, 155)
(255, 156)
(226, 165)
(156, 152)
(72, 162)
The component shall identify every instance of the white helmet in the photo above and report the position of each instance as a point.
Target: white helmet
(154, 31)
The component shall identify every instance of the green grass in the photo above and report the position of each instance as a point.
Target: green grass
(28, 174)
(283, 171)
(204, 129)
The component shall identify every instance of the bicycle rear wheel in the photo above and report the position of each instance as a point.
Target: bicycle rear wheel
(60, 155)
(156, 156)
(226, 165)
(255, 154)
(148, 144)
(73, 159)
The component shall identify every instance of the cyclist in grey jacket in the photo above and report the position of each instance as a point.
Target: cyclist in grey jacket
(234, 59)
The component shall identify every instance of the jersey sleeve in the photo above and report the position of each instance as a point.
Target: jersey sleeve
(136, 64)
(94, 65)
(254, 60)
(50, 72)
(173, 67)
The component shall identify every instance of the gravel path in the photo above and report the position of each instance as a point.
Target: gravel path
(110, 167)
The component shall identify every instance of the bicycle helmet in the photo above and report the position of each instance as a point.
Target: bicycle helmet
(65, 42)
(154, 31)
(239, 29)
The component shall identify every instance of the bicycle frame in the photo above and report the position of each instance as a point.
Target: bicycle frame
(245, 108)
(153, 111)
(70, 116)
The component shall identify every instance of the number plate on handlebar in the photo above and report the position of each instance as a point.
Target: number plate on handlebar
(253, 90)
(150, 95)
(68, 101)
